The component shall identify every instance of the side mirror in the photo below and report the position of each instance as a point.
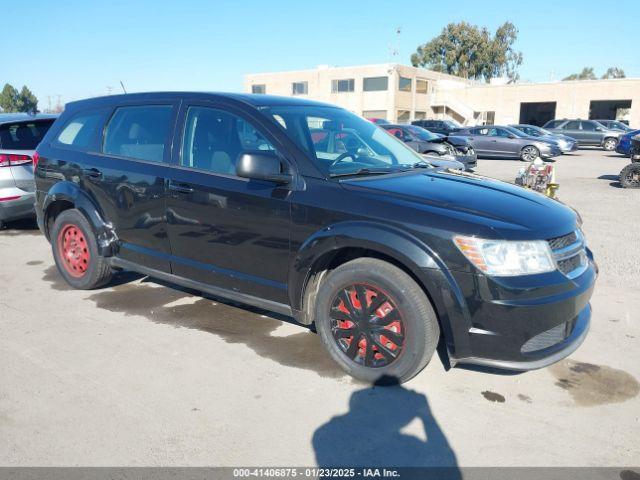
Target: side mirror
(512, 137)
(262, 165)
(600, 129)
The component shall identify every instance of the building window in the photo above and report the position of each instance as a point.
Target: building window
(404, 116)
(338, 86)
(375, 114)
(404, 84)
(420, 115)
(258, 89)
(299, 88)
(421, 86)
(375, 84)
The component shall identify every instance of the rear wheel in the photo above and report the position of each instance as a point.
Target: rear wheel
(609, 144)
(375, 321)
(529, 153)
(75, 251)
(630, 176)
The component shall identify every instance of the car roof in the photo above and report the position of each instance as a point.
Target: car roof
(253, 99)
(24, 117)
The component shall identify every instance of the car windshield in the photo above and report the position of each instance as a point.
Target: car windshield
(341, 143)
(422, 134)
(452, 124)
(620, 125)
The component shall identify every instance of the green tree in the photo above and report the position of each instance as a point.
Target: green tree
(586, 74)
(27, 101)
(468, 51)
(614, 72)
(13, 101)
(9, 99)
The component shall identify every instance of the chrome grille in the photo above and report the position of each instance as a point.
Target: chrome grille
(569, 253)
(563, 241)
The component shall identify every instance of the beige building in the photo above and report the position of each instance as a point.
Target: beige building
(401, 93)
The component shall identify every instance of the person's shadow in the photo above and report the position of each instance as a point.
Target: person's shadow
(369, 434)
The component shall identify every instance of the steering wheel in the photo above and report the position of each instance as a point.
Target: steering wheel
(342, 156)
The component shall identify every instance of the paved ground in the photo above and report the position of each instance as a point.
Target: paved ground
(144, 374)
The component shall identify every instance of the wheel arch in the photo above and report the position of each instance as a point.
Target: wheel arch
(67, 195)
(338, 244)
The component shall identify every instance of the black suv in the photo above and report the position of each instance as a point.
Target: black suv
(443, 127)
(267, 201)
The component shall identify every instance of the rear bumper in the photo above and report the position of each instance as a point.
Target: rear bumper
(16, 208)
(522, 323)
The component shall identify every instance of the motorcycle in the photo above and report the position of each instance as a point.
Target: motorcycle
(538, 176)
(630, 175)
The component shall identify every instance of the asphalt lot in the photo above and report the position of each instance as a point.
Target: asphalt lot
(144, 374)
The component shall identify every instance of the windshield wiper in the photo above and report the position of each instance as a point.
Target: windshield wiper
(365, 171)
(422, 164)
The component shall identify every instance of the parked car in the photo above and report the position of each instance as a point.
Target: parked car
(505, 142)
(630, 175)
(615, 125)
(586, 132)
(566, 144)
(381, 252)
(427, 143)
(19, 135)
(379, 121)
(443, 127)
(624, 144)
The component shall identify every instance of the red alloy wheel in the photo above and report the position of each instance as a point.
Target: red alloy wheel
(73, 250)
(367, 325)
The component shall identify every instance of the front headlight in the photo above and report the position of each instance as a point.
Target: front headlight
(503, 258)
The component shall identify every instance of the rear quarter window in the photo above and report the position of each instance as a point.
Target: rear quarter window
(23, 135)
(138, 132)
(81, 131)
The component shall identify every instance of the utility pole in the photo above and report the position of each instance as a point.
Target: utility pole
(109, 90)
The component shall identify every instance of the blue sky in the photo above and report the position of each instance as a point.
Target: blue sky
(77, 48)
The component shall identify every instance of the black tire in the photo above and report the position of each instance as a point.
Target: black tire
(92, 272)
(529, 153)
(418, 322)
(630, 176)
(609, 144)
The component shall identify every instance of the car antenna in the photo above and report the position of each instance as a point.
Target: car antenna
(122, 85)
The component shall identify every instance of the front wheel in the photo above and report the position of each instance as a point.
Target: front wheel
(630, 176)
(529, 153)
(376, 321)
(609, 144)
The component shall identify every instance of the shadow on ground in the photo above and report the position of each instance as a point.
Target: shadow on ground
(371, 433)
(134, 295)
(615, 180)
(20, 227)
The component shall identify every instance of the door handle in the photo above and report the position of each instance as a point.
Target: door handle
(92, 173)
(180, 188)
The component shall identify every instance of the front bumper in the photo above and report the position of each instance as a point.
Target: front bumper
(522, 323)
(569, 147)
(550, 152)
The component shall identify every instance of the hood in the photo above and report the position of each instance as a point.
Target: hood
(471, 204)
(459, 141)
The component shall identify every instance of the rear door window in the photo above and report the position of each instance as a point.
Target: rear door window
(138, 132)
(23, 135)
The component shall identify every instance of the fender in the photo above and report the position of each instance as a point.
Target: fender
(70, 192)
(404, 248)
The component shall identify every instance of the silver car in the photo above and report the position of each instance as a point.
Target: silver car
(505, 142)
(20, 134)
(586, 132)
(566, 144)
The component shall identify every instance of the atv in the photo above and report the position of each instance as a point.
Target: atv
(630, 175)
